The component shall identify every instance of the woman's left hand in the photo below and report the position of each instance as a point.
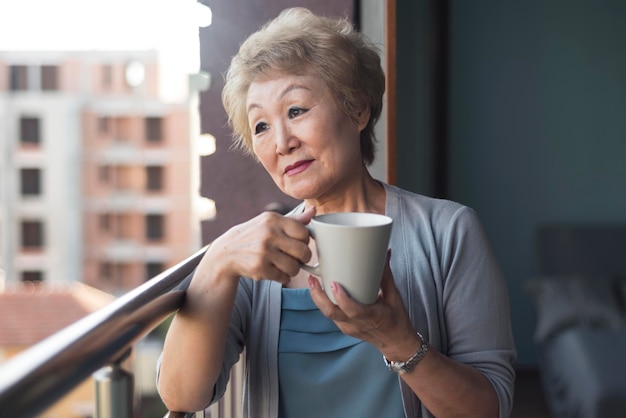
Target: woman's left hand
(385, 323)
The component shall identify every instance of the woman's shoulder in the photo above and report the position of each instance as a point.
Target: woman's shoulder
(405, 202)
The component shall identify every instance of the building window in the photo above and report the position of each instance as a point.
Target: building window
(30, 130)
(49, 77)
(106, 270)
(154, 178)
(153, 269)
(117, 274)
(154, 129)
(19, 77)
(107, 76)
(32, 276)
(104, 222)
(104, 123)
(155, 227)
(32, 235)
(104, 174)
(30, 181)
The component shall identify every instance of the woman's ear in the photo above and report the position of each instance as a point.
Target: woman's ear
(363, 115)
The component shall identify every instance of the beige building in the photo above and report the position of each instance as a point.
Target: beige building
(98, 174)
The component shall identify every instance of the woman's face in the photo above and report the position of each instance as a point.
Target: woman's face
(304, 140)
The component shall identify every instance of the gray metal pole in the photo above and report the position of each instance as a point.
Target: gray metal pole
(114, 392)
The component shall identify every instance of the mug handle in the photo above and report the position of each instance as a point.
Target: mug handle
(315, 269)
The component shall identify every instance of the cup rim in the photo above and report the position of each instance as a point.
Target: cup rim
(331, 219)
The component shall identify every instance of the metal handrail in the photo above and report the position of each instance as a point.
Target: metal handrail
(35, 379)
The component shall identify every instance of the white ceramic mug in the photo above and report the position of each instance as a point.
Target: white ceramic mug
(351, 249)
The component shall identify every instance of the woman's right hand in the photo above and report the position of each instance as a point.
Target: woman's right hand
(268, 246)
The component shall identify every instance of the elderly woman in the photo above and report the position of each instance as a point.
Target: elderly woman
(303, 95)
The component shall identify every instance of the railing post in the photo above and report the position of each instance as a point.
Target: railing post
(114, 391)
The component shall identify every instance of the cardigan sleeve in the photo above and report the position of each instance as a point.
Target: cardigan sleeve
(476, 305)
(235, 340)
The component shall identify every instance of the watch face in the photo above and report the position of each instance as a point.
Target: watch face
(399, 368)
(402, 367)
(395, 366)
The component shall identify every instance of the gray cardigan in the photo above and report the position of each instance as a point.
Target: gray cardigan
(451, 284)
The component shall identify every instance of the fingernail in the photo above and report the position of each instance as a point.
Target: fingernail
(311, 281)
(333, 286)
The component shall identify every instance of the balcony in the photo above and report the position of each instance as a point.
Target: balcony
(95, 345)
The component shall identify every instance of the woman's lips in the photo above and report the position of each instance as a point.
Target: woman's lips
(298, 167)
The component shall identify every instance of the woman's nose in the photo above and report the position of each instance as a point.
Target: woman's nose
(286, 141)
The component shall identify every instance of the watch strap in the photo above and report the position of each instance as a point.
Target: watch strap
(402, 367)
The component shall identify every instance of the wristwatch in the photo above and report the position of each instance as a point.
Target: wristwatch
(402, 367)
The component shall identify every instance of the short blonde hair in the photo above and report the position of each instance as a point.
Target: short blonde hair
(298, 42)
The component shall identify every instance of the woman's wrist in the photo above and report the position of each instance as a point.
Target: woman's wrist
(403, 348)
(211, 281)
(407, 366)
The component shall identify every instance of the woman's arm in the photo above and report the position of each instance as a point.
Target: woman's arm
(195, 342)
(446, 387)
(474, 377)
(268, 246)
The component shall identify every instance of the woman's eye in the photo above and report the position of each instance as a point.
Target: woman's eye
(295, 112)
(260, 127)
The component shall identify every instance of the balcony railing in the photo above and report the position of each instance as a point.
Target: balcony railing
(39, 376)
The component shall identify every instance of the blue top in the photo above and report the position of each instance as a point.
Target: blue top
(325, 373)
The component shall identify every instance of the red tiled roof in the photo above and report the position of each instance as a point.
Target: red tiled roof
(30, 312)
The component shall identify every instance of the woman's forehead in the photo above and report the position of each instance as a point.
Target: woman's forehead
(277, 85)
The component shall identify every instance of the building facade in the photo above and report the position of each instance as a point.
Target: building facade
(98, 174)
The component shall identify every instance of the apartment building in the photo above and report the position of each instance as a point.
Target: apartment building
(98, 174)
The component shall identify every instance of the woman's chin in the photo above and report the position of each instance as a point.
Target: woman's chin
(300, 192)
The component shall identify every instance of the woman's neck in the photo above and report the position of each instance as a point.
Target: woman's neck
(364, 195)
